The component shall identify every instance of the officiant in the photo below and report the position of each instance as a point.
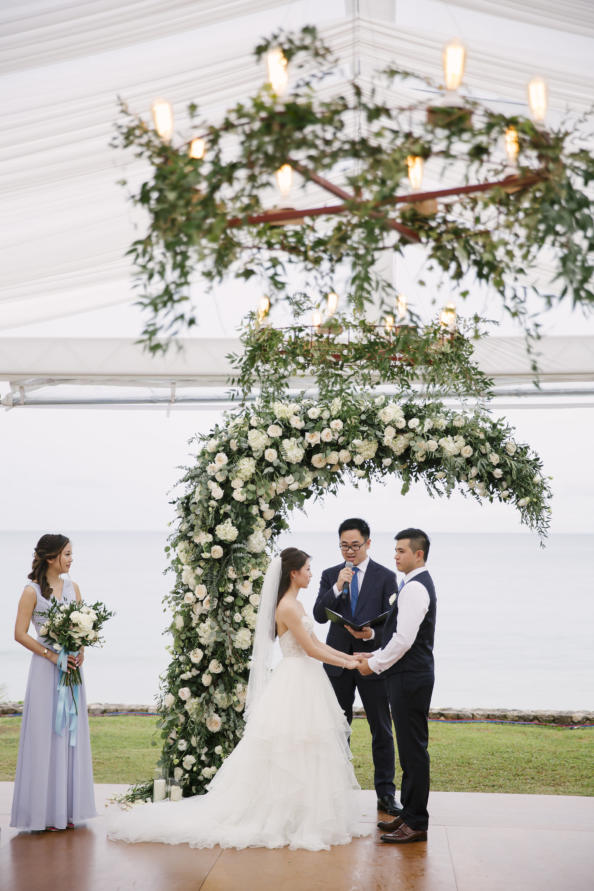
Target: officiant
(360, 589)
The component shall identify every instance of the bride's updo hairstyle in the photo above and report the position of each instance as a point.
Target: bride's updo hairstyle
(292, 560)
(48, 547)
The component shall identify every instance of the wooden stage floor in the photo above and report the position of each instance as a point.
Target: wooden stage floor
(476, 843)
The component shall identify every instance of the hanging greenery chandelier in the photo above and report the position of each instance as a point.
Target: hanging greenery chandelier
(212, 210)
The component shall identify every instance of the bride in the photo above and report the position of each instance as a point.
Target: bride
(290, 780)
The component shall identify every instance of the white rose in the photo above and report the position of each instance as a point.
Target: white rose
(216, 552)
(179, 622)
(296, 422)
(458, 421)
(212, 445)
(213, 723)
(221, 459)
(318, 460)
(282, 410)
(493, 458)
(255, 599)
(292, 450)
(189, 597)
(185, 693)
(274, 431)
(413, 423)
(523, 502)
(245, 587)
(239, 495)
(215, 490)
(200, 591)
(268, 514)
(168, 700)
(215, 666)
(314, 413)
(336, 425)
(188, 761)
(467, 451)
(344, 456)
(195, 656)
(271, 455)
(498, 473)
(313, 437)
(510, 448)
(206, 679)
(182, 745)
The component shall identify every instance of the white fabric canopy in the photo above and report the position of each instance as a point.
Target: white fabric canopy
(201, 368)
(65, 222)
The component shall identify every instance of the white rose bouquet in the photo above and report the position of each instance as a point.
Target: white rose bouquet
(72, 626)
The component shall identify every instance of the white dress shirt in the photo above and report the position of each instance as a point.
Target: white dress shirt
(413, 603)
(362, 567)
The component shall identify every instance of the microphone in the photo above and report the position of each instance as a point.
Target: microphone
(346, 586)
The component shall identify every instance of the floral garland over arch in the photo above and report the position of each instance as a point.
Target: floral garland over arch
(266, 460)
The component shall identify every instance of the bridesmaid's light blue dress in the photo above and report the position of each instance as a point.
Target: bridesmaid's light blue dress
(54, 781)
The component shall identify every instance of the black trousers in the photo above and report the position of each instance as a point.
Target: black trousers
(409, 693)
(377, 709)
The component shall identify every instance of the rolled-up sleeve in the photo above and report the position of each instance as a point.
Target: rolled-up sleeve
(413, 603)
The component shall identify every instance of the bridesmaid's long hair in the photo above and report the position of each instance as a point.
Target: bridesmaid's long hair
(48, 547)
(292, 559)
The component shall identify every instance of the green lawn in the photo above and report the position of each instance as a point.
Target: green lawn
(464, 757)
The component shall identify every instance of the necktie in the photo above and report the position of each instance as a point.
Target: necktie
(354, 591)
(401, 586)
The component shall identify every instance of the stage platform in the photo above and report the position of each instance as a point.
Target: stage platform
(476, 842)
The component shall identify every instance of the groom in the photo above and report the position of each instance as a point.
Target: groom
(406, 661)
(359, 589)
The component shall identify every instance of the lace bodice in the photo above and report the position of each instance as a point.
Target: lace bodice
(288, 644)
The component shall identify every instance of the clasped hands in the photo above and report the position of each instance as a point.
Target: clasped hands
(358, 662)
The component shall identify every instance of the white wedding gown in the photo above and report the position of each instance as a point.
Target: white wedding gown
(289, 781)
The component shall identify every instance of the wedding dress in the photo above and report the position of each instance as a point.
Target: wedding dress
(289, 781)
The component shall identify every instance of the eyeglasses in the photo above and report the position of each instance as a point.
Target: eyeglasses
(352, 547)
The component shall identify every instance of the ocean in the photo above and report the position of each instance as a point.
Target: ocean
(514, 621)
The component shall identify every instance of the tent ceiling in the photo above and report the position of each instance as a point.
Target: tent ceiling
(66, 224)
(202, 368)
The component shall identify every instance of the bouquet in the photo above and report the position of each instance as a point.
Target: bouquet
(72, 626)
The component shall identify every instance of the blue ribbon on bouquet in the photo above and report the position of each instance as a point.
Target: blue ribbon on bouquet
(67, 706)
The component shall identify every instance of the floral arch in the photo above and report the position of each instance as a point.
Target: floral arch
(250, 472)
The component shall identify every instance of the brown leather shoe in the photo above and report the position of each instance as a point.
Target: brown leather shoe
(390, 825)
(404, 834)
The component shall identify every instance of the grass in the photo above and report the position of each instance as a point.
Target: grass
(464, 757)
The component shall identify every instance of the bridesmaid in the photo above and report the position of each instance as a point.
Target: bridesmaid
(54, 780)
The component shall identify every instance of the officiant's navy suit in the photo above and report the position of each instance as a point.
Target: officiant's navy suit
(379, 584)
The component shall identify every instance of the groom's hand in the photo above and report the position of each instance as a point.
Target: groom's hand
(365, 634)
(363, 666)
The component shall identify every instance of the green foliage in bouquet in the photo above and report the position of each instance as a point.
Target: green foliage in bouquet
(205, 214)
(72, 626)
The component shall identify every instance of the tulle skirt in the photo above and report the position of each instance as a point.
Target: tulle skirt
(289, 781)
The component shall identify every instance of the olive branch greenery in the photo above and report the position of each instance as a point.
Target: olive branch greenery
(205, 215)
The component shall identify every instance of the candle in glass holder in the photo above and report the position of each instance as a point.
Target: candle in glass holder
(175, 792)
(159, 789)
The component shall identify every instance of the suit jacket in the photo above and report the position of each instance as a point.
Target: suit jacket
(379, 583)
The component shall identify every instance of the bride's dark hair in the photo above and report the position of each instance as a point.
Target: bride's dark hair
(292, 559)
(48, 547)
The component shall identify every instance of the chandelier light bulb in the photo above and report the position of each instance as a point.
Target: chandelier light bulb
(197, 148)
(163, 118)
(331, 303)
(389, 323)
(401, 306)
(512, 145)
(263, 308)
(316, 319)
(284, 179)
(538, 98)
(454, 59)
(278, 71)
(447, 318)
(415, 171)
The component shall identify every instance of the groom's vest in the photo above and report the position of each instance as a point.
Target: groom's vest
(420, 655)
